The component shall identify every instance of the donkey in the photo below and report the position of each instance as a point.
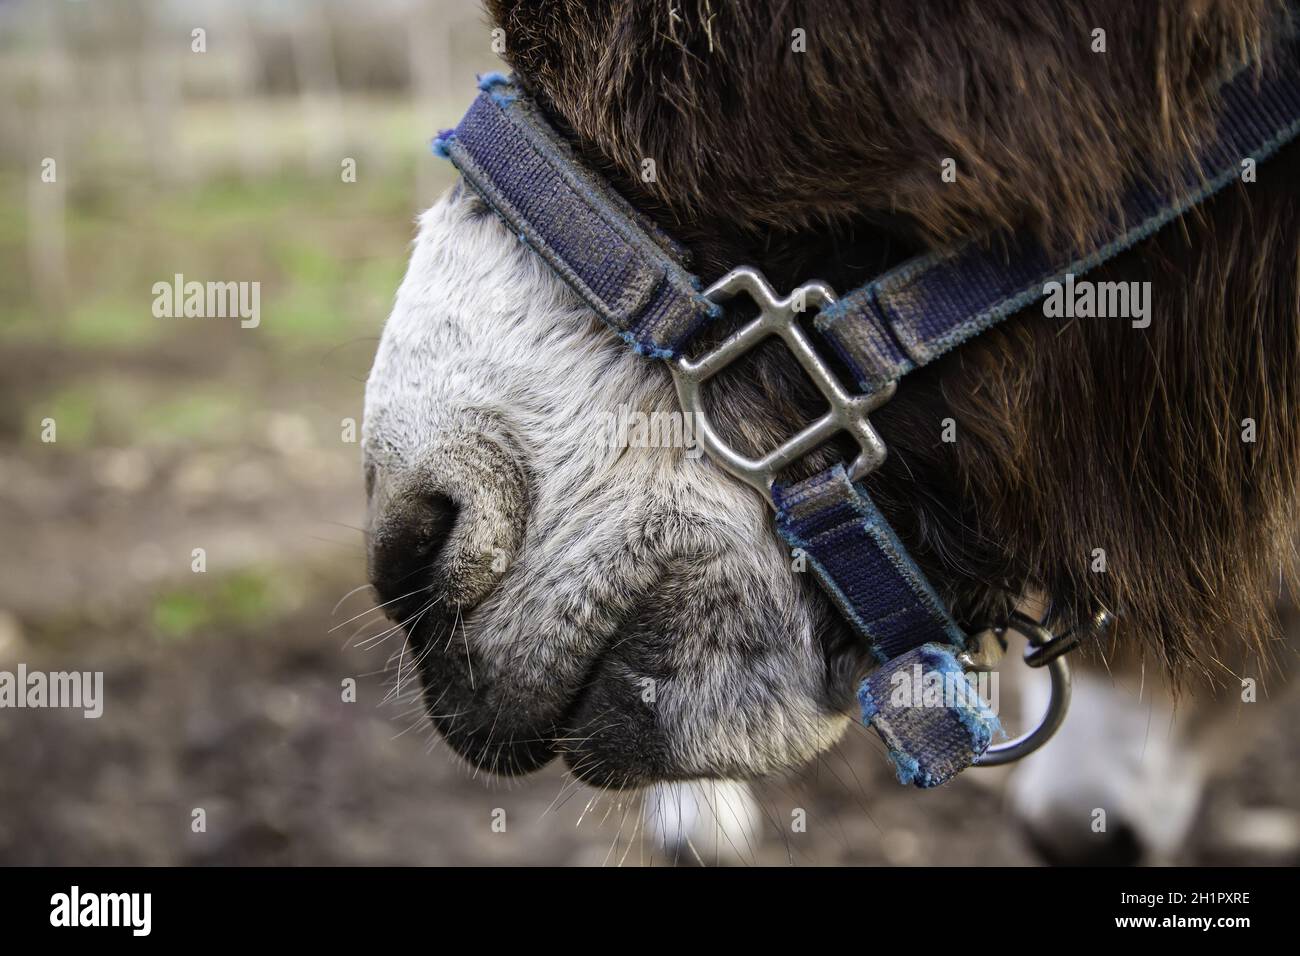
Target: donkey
(630, 609)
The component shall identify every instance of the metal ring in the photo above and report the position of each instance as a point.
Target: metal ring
(1035, 632)
(1025, 744)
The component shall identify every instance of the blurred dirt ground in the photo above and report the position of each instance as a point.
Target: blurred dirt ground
(223, 692)
(223, 688)
(245, 720)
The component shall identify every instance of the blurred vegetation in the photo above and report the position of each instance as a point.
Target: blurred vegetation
(242, 600)
(225, 164)
(232, 172)
(322, 252)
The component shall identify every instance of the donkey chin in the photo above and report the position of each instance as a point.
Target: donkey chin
(565, 592)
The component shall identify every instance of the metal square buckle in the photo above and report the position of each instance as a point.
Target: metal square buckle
(846, 413)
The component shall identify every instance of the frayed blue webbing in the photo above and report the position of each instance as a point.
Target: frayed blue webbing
(630, 272)
(925, 307)
(929, 715)
(877, 586)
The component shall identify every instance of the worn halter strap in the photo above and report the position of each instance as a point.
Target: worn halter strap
(633, 276)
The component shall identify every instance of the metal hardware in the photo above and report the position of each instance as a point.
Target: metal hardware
(1044, 651)
(985, 649)
(847, 412)
(1037, 655)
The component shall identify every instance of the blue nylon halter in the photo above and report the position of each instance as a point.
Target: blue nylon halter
(631, 274)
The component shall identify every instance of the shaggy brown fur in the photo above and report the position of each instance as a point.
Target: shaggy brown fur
(1072, 435)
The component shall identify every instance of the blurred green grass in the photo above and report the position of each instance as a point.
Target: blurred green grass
(240, 599)
(328, 254)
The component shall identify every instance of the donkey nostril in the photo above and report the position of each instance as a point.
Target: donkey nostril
(435, 518)
(407, 535)
(445, 524)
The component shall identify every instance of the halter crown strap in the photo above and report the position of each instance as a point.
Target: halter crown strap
(633, 276)
(922, 309)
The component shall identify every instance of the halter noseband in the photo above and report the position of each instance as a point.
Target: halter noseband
(632, 275)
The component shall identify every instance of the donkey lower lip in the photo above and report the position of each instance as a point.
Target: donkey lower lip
(487, 730)
(502, 731)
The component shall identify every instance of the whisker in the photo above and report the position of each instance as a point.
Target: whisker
(348, 595)
(373, 609)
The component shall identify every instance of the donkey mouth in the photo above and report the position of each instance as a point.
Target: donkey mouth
(508, 725)
(500, 721)
(474, 712)
(641, 693)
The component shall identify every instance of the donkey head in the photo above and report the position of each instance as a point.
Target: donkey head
(630, 608)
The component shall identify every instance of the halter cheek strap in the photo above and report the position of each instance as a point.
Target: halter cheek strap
(873, 581)
(633, 276)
